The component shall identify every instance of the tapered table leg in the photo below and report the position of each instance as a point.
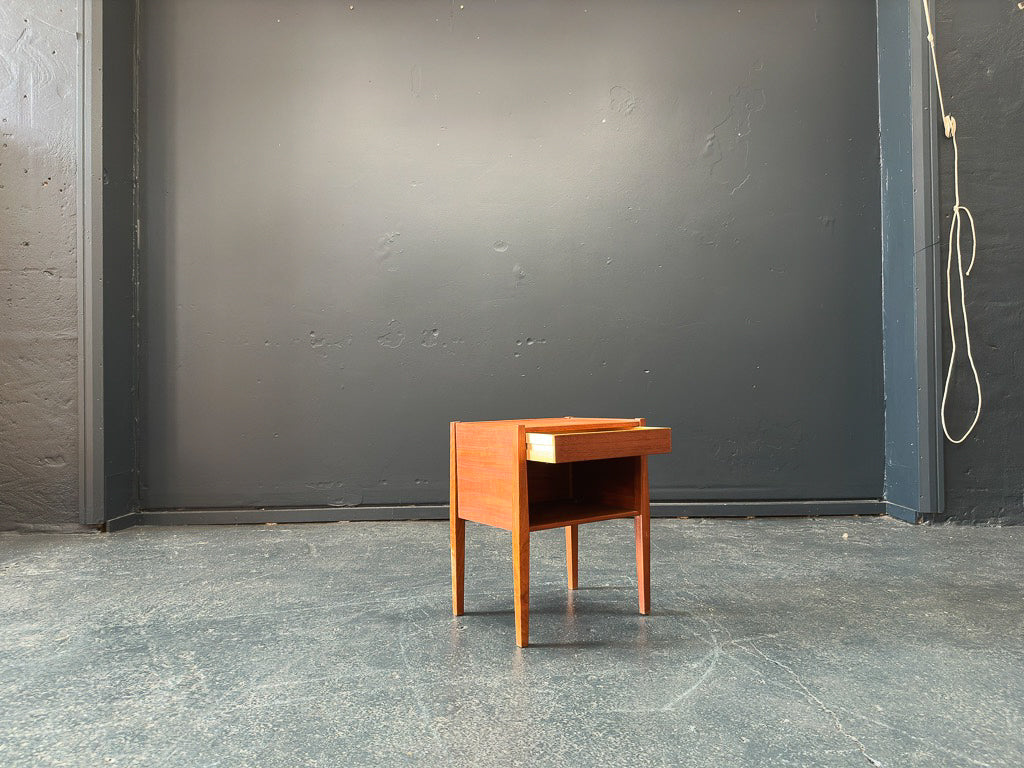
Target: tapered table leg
(458, 536)
(642, 525)
(521, 574)
(572, 559)
(458, 565)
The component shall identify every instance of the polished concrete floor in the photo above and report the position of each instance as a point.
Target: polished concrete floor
(829, 642)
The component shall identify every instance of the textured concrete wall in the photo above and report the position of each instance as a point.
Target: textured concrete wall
(981, 55)
(38, 264)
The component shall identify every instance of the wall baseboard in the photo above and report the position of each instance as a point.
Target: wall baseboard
(255, 516)
(767, 508)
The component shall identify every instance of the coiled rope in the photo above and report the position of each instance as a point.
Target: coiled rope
(955, 228)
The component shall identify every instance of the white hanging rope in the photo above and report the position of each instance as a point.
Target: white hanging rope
(949, 125)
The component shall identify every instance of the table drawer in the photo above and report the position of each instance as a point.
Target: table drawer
(598, 444)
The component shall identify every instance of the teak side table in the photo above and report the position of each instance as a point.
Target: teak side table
(531, 474)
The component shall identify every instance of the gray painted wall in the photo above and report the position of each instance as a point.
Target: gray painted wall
(981, 53)
(38, 265)
(120, 265)
(361, 224)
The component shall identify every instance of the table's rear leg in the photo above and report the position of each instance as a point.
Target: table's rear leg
(458, 538)
(458, 565)
(642, 526)
(572, 559)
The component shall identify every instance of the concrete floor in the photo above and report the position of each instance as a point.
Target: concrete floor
(830, 642)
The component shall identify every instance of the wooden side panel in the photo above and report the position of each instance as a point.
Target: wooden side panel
(600, 444)
(487, 484)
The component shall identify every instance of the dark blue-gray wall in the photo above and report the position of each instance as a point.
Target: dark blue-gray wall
(902, 480)
(361, 224)
(981, 53)
(910, 282)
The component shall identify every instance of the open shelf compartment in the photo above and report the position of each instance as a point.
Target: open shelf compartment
(572, 493)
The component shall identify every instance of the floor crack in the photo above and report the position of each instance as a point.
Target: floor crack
(811, 697)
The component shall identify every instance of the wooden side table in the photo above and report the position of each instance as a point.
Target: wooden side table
(531, 474)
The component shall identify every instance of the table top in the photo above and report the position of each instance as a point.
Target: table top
(567, 423)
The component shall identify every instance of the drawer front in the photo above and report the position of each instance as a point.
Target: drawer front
(603, 444)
